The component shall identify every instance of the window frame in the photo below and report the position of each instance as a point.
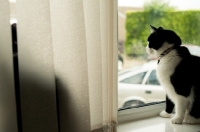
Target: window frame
(141, 112)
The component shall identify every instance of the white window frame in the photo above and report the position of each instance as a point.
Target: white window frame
(140, 113)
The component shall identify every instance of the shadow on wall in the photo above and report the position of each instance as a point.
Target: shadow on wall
(8, 122)
(35, 99)
(44, 104)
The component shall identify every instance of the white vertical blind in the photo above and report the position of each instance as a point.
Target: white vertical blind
(8, 113)
(68, 65)
(85, 60)
(94, 60)
(36, 69)
(104, 7)
(114, 67)
(100, 28)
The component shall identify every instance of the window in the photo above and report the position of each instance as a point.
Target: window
(135, 68)
(152, 80)
(136, 79)
(134, 18)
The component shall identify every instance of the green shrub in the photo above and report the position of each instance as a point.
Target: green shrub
(185, 23)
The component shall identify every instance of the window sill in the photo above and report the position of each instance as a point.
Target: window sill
(156, 124)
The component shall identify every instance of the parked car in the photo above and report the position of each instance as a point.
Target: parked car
(139, 85)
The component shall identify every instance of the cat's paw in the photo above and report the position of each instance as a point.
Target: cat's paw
(191, 120)
(164, 114)
(176, 120)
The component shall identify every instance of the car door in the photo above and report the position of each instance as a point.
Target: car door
(129, 87)
(153, 91)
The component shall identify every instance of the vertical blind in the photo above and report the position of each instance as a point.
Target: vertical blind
(36, 66)
(67, 52)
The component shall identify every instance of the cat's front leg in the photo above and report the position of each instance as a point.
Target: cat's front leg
(181, 103)
(169, 108)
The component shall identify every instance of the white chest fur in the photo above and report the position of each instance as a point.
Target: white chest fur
(165, 69)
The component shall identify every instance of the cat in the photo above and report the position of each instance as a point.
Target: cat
(179, 73)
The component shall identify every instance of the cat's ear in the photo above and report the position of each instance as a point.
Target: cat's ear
(153, 29)
(161, 28)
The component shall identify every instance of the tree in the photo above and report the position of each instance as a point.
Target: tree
(137, 25)
(157, 7)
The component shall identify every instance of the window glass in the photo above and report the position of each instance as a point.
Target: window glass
(134, 18)
(195, 50)
(136, 79)
(135, 68)
(152, 79)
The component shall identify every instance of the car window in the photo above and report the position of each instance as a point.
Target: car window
(136, 79)
(153, 79)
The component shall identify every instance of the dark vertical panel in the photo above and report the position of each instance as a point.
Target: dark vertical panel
(8, 112)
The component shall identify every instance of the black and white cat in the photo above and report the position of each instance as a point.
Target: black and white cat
(179, 73)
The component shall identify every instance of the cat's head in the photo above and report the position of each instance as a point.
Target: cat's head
(160, 40)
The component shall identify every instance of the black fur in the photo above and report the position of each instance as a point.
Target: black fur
(169, 105)
(159, 36)
(186, 76)
(187, 73)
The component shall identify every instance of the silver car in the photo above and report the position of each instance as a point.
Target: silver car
(139, 85)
